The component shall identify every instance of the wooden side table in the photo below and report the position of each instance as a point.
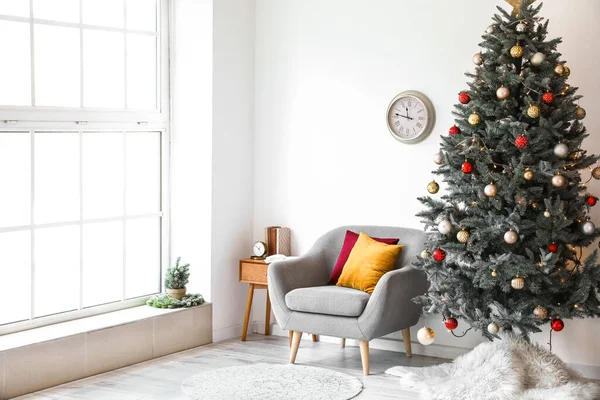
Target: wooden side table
(254, 272)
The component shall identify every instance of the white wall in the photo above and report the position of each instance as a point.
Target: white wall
(325, 74)
(213, 150)
(233, 160)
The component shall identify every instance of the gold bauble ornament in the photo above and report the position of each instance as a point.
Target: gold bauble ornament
(503, 93)
(516, 51)
(533, 111)
(517, 283)
(425, 335)
(528, 174)
(462, 236)
(433, 187)
(596, 173)
(425, 254)
(580, 113)
(567, 71)
(559, 181)
(474, 119)
(494, 273)
(559, 70)
(540, 312)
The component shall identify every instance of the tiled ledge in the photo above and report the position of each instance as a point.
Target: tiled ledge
(48, 356)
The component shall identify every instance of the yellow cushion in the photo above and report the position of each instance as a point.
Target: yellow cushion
(368, 261)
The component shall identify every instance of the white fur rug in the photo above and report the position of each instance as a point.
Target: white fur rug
(505, 369)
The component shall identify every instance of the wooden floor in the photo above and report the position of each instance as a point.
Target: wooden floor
(161, 378)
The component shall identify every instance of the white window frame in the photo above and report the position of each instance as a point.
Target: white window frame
(61, 119)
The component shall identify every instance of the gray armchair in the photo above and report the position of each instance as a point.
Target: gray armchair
(303, 302)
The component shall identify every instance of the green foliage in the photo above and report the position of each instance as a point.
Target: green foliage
(178, 276)
(463, 285)
(164, 301)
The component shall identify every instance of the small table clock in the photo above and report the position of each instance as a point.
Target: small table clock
(259, 250)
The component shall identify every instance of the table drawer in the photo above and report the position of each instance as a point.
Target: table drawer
(254, 273)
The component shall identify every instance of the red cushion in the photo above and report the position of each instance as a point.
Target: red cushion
(349, 242)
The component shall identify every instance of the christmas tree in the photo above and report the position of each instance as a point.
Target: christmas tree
(504, 248)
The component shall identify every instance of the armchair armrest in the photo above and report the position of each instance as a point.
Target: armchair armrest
(390, 307)
(287, 275)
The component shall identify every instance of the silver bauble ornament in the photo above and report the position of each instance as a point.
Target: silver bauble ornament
(547, 214)
(490, 29)
(425, 336)
(490, 190)
(537, 59)
(540, 312)
(477, 59)
(588, 228)
(493, 328)
(503, 93)
(438, 159)
(561, 150)
(517, 283)
(559, 181)
(521, 28)
(445, 227)
(425, 254)
(511, 237)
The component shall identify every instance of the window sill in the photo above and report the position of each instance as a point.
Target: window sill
(83, 325)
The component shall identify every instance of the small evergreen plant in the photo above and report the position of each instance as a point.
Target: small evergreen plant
(178, 276)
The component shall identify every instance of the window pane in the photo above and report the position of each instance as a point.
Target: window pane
(141, 72)
(102, 179)
(56, 177)
(57, 72)
(142, 257)
(103, 12)
(17, 8)
(102, 263)
(143, 172)
(15, 76)
(141, 15)
(56, 277)
(57, 10)
(104, 69)
(15, 179)
(15, 269)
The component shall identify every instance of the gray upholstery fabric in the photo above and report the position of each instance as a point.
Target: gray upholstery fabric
(330, 300)
(388, 309)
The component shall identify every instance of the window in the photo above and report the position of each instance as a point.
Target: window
(84, 155)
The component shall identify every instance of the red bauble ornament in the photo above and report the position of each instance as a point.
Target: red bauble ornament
(548, 98)
(557, 325)
(439, 255)
(455, 130)
(521, 142)
(553, 248)
(464, 98)
(591, 200)
(467, 167)
(451, 323)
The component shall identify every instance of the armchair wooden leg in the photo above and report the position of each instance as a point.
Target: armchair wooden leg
(314, 338)
(343, 342)
(295, 345)
(364, 355)
(291, 336)
(406, 338)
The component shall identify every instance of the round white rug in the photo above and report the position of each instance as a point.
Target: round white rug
(272, 381)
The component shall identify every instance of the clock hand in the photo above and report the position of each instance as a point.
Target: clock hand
(403, 116)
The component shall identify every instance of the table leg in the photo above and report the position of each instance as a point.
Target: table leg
(268, 316)
(248, 308)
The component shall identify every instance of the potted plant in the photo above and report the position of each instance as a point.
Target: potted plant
(176, 278)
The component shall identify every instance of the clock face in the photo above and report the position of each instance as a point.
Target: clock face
(410, 117)
(259, 249)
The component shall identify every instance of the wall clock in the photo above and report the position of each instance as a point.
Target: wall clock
(411, 117)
